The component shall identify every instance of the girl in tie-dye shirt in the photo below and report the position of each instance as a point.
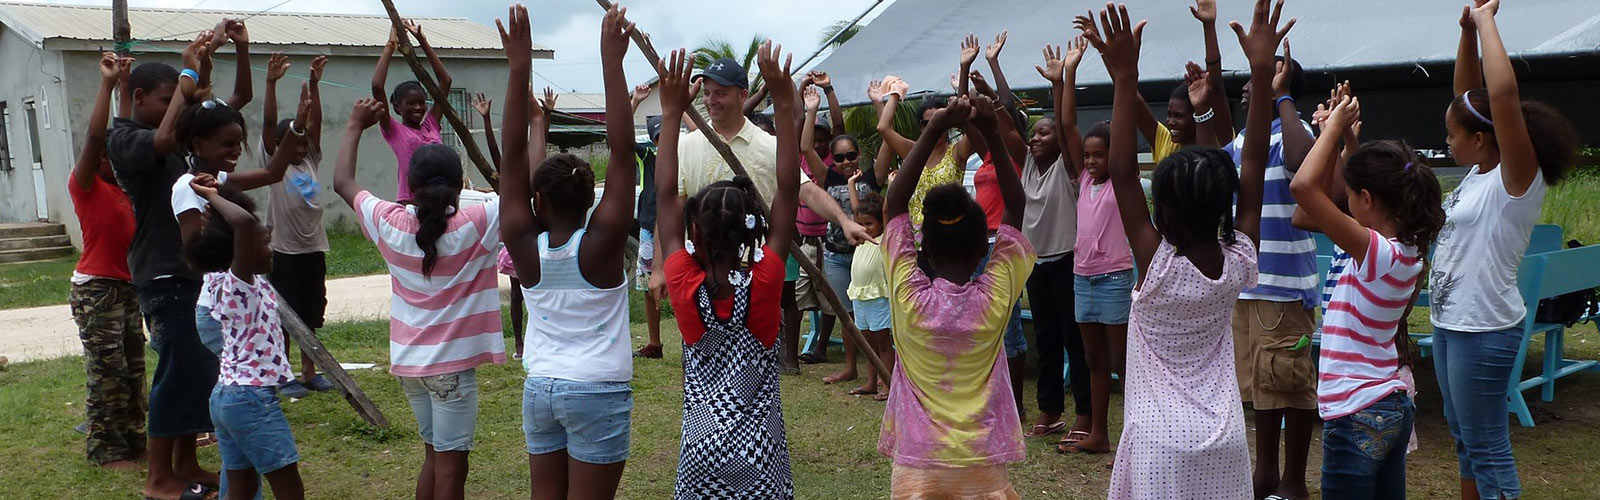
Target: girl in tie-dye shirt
(950, 425)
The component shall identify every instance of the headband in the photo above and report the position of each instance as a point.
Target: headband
(953, 221)
(1474, 111)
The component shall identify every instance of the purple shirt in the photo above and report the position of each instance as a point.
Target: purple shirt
(405, 140)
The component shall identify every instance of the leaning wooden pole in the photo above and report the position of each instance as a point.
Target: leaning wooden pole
(440, 98)
(312, 346)
(816, 275)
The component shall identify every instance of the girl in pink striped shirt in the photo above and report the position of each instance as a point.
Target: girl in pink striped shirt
(1396, 210)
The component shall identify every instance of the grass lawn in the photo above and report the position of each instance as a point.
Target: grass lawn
(832, 436)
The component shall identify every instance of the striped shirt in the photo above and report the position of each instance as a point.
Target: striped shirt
(448, 322)
(1359, 364)
(1288, 256)
(1341, 260)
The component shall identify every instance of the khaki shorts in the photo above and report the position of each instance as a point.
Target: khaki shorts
(806, 296)
(1273, 375)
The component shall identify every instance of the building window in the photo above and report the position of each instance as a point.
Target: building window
(5, 137)
(458, 102)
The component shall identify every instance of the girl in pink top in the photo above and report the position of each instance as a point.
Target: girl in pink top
(1183, 428)
(418, 123)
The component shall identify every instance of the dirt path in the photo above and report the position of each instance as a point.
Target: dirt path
(49, 331)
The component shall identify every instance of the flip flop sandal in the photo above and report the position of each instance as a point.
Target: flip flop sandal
(1073, 449)
(882, 396)
(861, 392)
(1041, 430)
(811, 358)
(195, 491)
(205, 439)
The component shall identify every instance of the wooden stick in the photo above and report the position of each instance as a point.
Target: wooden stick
(814, 273)
(313, 347)
(440, 99)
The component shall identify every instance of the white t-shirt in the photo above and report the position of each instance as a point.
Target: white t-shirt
(1473, 284)
(185, 199)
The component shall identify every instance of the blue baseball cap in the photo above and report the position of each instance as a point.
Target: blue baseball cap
(725, 71)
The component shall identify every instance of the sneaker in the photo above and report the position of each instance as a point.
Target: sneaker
(293, 389)
(320, 383)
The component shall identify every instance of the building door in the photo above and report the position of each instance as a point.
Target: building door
(41, 202)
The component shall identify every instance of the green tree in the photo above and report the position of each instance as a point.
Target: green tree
(844, 29)
(717, 48)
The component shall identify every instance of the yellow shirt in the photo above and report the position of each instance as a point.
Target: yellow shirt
(699, 164)
(946, 172)
(869, 278)
(1163, 146)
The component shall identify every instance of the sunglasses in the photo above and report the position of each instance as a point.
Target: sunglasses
(851, 156)
(214, 103)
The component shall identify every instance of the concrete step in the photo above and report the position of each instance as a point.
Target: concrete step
(30, 230)
(60, 240)
(31, 254)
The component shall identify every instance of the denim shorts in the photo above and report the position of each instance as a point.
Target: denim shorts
(1016, 343)
(209, 328)
(252, 432)
(588, 419)
(1103, 298)
(1364, 453)
(446, 407)
(872, 314)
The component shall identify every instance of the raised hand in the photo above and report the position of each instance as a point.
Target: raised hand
(614, 30)
(821, 79)
(897, 86)
(481, 103)
(304, 110)
(316, 68)
(204, 185)
(1199, 85)
(1467, 23)
(875, 91)
(277, 66)
(980, 85)
(993, 51)
(549, 101)
(517, 39)
(108, 66)
(955, 114)
(367, 112)
(1121, 42)
(675, 71)
(1261, 43)
(414, 29)
(1204, 11)
(982, 113)
(124, 68)
(969, 50)
(855, 177)
(1054, 65)
(192, 56)
(1085, 25)
(237, 31)
(812, 99)
(1282, 76)
(778, 77)
(1484, 9)
(1076, 48)
(1346, 112)
(640, 93)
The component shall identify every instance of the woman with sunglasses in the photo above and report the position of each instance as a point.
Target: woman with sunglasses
(837, 250)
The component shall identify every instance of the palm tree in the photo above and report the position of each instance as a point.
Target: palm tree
(717, 48)
(845, 31)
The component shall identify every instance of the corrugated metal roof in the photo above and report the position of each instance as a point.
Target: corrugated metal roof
(581, 102)
(40, 22)
(919, 41)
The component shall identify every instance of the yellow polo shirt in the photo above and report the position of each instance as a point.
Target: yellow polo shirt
(699, 164)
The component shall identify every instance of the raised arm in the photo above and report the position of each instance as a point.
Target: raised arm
(1308, 187)
(367, 112)
(1517, 155)
(94, 142)
(278, 164)
(1469, 69)
(246, 229)
(855, 199)
(441, 75)
(989, 129)
(1259, 45)
(1007, 125)
(882, 162)
(243, 90)
(780, 229)
(125, 101)
(277, 66)
(1200, 90)
(640, 93)
(1062, 72)
(539, 126)
(1205, 11)
(380, 74)
(166, 135)
(955, 114)
(969, 54)
(675, 98)
(519, 227)
(835, 111)
(484, 105)
(612, 221)
(1120, 50)
(1296, 139)
(894, 90)
(808, 136)
(314, 115)
(754, 101)
(1143, 117)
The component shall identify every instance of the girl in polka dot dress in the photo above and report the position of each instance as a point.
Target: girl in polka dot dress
(1183, 433)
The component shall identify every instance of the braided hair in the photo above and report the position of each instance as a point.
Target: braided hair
(1407, 188)
(566, 184)
(1555, 141)
(718, 227)
(212, 250)
(436, 180)
(1193, 192)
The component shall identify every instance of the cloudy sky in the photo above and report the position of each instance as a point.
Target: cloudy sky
(571, 27)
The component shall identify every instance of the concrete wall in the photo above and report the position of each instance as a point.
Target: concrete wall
(345, 79)
(28, 73)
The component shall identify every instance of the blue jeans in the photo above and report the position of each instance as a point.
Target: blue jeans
(446, 407)
(1103, 298)
(1474, 371)
(836, 266)
(1364, 453)
(209, 328)
(252, 432)
(588, 419)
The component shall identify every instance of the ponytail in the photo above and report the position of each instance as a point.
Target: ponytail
(436, 181)
(1406, 187)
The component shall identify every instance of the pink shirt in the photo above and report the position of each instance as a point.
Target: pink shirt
(405, 140)
(807, 221)
(449, 321)
(1359, 364)
(1102, 243)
